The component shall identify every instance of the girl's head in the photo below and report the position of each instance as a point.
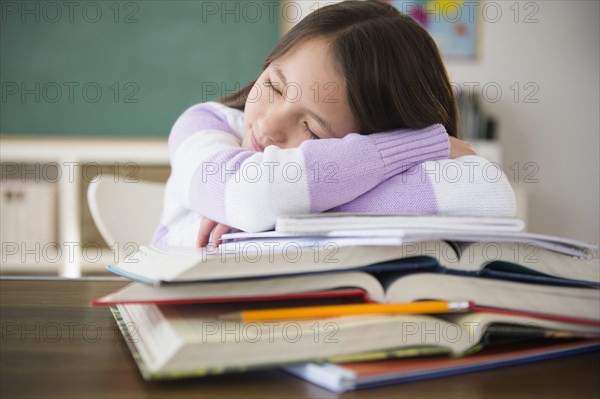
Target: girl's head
(360, 67)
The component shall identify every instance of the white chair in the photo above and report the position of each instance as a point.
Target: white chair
(126, 213)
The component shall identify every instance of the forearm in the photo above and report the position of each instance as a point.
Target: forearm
(248, 190)
(212, 175)
(464, 186)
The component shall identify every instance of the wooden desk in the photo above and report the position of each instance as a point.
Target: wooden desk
(55, 345)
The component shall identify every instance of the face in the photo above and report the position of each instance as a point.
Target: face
(300, 96)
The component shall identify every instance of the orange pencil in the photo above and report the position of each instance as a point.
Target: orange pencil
(311, 312)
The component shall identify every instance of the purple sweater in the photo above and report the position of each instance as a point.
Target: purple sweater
(403, 171)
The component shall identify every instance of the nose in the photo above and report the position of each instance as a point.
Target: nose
(275, 125)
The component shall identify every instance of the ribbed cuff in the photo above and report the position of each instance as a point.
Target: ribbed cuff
(402, 149)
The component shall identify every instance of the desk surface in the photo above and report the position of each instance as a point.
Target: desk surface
(55, 345)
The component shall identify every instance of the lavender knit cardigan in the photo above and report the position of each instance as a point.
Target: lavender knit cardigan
(404, 171)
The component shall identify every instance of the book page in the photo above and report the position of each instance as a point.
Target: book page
(476, 323)
(329, 221)
(583, 303)
(211, 342)
(276, 286)
(255, 259)
(156, 340)
(478, 255)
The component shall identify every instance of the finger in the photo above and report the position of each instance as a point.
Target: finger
(206, 227)
(218, 232)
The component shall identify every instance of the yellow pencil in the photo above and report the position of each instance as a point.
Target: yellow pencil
(311, 312)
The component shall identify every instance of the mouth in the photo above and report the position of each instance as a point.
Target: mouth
(257, 146)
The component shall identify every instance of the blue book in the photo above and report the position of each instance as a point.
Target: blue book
(367, 374)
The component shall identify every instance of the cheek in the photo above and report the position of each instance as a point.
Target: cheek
(254, 95)
(253, 103)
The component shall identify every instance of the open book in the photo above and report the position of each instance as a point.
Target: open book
(268, 258)
(180, 341)
(579, 305)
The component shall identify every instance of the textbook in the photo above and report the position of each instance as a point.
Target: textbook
(341, 378)
(179, 341)
(411, 228)
(390, 236)
(339, 221)
(161, 265)
(262, 258)
(569, 304)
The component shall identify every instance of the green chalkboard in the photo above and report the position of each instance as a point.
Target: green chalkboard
(127, 68)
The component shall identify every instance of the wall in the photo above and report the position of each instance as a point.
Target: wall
(554, 141)
(549, 121)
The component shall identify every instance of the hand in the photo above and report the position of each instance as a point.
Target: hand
(459, 148)
(211, 229)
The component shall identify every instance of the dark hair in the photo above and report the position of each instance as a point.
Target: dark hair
(394, 74)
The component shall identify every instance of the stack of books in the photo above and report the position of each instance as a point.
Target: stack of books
(349, 301)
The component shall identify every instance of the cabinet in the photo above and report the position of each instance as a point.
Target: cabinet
(69, 164)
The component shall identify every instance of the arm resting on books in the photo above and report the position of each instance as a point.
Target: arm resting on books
(214, 176)
(468, 185)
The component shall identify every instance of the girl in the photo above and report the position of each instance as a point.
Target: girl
(353, 112)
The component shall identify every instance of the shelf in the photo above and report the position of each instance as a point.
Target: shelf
(87, 267)
(72, 157)
(29, 149)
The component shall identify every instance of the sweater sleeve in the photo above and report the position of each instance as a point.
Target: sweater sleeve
(468, 186)
(214, 176)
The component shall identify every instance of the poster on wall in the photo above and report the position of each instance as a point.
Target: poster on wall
(451, 23)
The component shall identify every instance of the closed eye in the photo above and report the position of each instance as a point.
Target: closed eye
(270, 85)
(310, 132)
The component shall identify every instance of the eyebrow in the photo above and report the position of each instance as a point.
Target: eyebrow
(320, 120)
